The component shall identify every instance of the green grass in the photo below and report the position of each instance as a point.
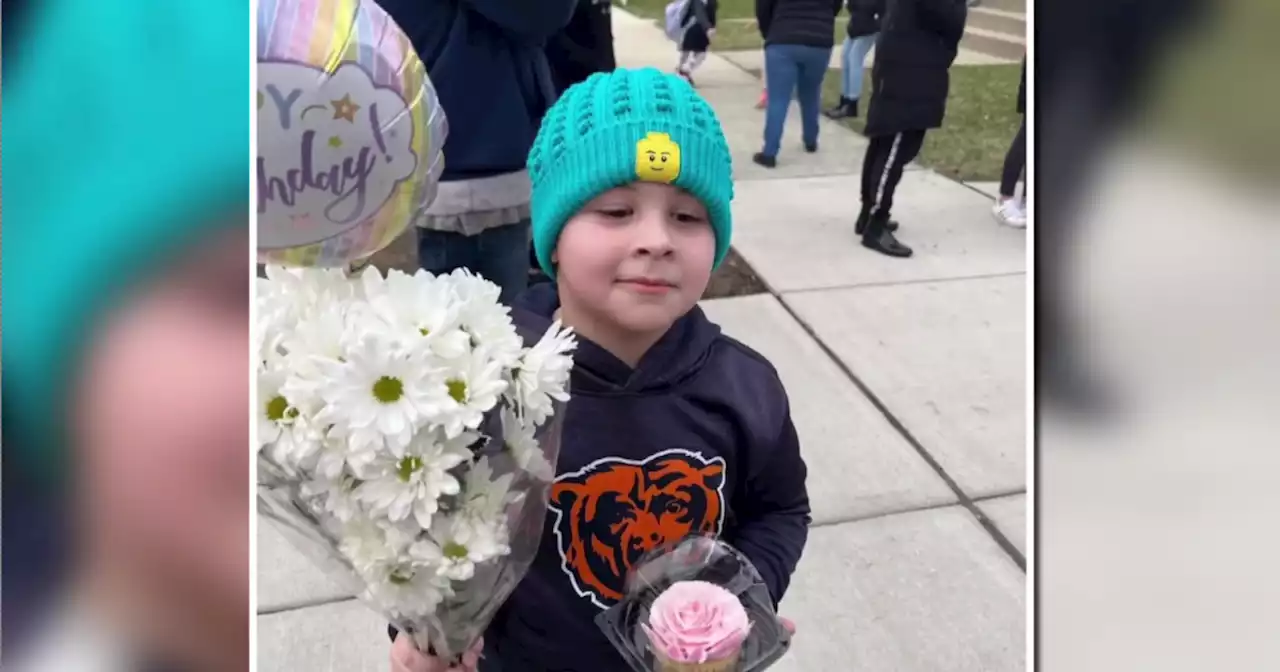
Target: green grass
(981, 120)
(736, 23)
(728, 9)
(736, 36)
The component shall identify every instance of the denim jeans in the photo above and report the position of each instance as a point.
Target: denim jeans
(500, 254)
(793, 69)
(853, 58)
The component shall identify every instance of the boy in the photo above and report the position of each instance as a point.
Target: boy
(674, 428)
(699, 20)
(126, 291)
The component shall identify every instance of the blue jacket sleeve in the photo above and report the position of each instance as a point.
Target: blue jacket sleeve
(773, 511)
(526, 19)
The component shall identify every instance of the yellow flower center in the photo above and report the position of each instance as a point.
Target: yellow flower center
(388, 390)
(455, 551)
(277, 408)
(457, 390)
(408, 465)
(424, 331)
(400, 577)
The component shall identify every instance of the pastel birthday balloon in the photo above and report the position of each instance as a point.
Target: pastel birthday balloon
(350, 132)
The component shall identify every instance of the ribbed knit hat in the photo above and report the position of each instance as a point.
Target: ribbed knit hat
(126, 140)
(622, 127)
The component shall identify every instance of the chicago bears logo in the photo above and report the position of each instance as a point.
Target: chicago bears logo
(613, 511)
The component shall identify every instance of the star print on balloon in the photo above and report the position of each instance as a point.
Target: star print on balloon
(343, 108)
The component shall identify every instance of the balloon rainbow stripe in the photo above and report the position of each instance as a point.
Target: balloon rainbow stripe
(325, 34)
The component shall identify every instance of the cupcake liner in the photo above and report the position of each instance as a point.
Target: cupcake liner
(729, 664)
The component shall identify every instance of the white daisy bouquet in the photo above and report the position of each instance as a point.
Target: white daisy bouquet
(407, 432)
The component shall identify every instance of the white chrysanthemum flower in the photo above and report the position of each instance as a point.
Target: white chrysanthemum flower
(371, 547)
(318, 335)
(462, 542)
(543, 373)
(518, 437)
(309, 287)
(474, 384)
(484, 496)
(335, 495)
(284, 431)
(407, 592)
(379, 394)
(455, 567)
(275, 413)
(414, 483)
(484, 318)
(421, 311)
(336, 453)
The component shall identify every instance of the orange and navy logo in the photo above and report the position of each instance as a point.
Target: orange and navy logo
(613, 511)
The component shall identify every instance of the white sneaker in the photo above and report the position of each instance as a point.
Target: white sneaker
(1009, 212)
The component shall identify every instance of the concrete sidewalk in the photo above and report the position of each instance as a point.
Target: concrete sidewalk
(907, 385)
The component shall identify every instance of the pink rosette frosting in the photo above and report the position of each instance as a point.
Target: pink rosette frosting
(697, 622)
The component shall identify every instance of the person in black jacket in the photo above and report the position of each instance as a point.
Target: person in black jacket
(910, 79)
(864, 25)
(798, 36)
(583, 47)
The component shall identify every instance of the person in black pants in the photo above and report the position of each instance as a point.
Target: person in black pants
(918, 42)
(1094, 63)
(1009, 209)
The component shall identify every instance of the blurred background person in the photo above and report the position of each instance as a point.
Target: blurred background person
(798, 37)
(126, 323)
(584, 46)
(581, 49)
(1009, 209)
(918, 42)
(488, 63)
(699, 21)
(864, 25)
(1094, 67)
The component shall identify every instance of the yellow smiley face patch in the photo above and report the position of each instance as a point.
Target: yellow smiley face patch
(657, 159)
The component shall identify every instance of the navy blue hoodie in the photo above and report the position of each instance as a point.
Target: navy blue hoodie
(697, 438)
(486, 61)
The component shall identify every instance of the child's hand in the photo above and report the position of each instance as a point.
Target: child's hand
(711, 34)
(406, 658)
(789, 624)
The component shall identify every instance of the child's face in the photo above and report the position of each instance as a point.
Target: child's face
(637, 257)
(161, 429)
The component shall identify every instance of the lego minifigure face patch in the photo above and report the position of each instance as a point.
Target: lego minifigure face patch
(657, 159)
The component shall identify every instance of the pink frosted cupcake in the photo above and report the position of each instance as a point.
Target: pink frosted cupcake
(695, 626)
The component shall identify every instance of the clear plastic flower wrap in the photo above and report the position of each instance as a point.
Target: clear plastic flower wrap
(695, 559)
(408, 431)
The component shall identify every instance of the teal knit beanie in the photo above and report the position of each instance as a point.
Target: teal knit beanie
(126, 139)
(621, 127)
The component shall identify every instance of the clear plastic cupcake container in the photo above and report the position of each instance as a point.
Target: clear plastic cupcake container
(698, 558)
